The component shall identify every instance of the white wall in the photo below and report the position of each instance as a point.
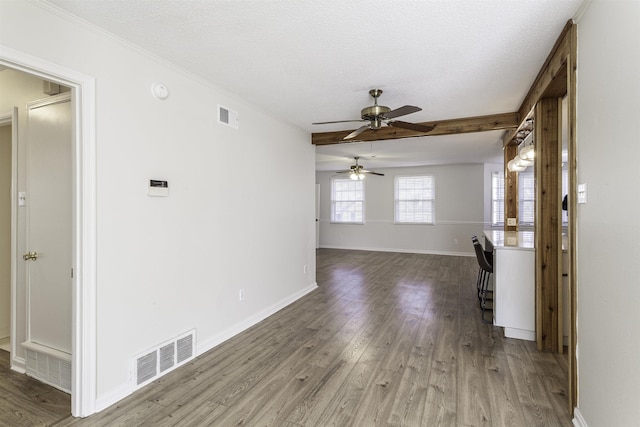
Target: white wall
(608, 149)
(461, 191)
(234, 219)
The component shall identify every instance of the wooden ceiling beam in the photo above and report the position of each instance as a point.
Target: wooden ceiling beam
(553, 70)
(442, 127)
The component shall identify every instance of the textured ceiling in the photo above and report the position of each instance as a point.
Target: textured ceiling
(310, 60)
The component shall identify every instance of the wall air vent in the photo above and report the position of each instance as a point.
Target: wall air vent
(185, 348)
(163, 358)
(227, 117)
(167, 356)
(146, 367)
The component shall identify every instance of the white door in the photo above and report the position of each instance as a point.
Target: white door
(49, 223)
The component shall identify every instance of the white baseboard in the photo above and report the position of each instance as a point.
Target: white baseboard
(18, 364)
(202, 347)
(399, 250)
(578, 419)
(113, 397)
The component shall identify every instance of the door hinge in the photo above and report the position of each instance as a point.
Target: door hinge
(72, 272)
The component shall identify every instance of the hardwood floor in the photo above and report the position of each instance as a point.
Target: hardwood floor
(387, 339)
(27, 402)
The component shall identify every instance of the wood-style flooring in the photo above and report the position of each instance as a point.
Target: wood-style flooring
(386, 339)
(27, 402)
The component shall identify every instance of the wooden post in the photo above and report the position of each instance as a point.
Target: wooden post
(548, 226)
(510, 189)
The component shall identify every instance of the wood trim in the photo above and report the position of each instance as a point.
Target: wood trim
(510, 189)
(548, 225)
(573, 263)
(442, 127)
(550, 70)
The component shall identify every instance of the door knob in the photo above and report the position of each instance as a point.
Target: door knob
(30, 256)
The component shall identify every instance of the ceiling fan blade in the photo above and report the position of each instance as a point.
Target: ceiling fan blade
(356, 132)
(338, 121)
(402, 111)
(344, 171)
(372, 172)
(411, 126)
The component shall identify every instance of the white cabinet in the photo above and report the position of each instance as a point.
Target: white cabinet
(514, 283)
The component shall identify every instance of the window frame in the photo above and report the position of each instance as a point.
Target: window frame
(334, 201)
(529, 176)
(431, 199)
(495, 198)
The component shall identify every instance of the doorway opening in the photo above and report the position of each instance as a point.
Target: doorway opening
(83, 225)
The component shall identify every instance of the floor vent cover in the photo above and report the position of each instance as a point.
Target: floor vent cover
(159, 360)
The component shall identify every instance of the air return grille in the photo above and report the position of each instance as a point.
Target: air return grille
(227, 117)
(165, 357)
(49, 369)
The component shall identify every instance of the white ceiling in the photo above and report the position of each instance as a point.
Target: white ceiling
(315, 60)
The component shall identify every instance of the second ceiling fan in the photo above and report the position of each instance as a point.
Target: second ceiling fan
(358, 171)
(379, 115)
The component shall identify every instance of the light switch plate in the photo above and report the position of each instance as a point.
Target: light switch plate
(511, 222)
(582, 193)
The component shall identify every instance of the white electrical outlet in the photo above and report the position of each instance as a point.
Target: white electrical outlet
(455, 241)
(304, 269)
(241, 295)
(511, 222)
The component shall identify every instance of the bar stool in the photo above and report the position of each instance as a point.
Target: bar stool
(484, 276)
(489, 256)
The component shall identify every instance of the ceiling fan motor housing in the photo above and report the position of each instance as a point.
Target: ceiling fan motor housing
(375, 114)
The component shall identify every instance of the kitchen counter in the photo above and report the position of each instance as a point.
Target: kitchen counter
(514, 281)
(510, 239)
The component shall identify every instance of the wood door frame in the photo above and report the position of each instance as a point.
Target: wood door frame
(557, 78)
(84, 352)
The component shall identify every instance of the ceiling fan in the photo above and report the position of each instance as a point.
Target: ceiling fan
(379, 115)
(358, 171)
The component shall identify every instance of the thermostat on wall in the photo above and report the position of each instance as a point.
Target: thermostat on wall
(158, 188)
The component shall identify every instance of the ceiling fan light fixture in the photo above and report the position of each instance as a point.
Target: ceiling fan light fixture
(379, 116)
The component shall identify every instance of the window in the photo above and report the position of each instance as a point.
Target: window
(497, 198)
(347, 201)
(415, 199)
(527, 197)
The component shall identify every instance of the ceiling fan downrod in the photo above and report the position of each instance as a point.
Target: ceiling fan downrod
(375, 112)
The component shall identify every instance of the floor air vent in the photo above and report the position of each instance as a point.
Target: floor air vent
(157, 361)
